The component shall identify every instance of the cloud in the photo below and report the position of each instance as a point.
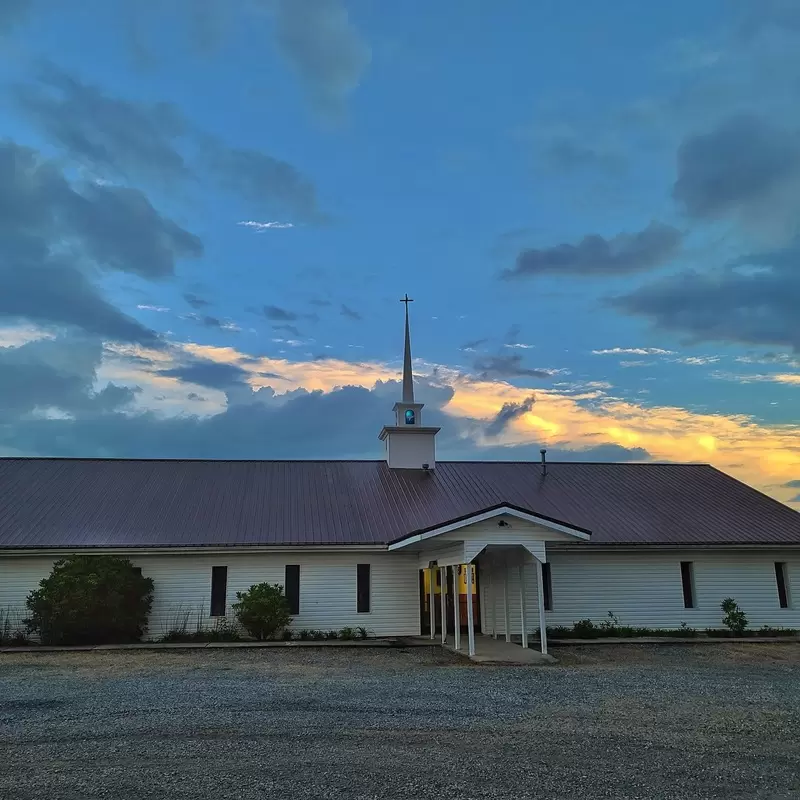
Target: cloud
(102, 131)
(507, 366)
(737, 167)
(472, 345)
(290, 329)
(633, 351)
(320, 303)
(566, 153)
(260, 227)
(208, 321)
(325, 50)
(594, 255)
(194, 301)
(277, 313)
(350, 313)
(211, 374)
(146, 307)
(512, 334)
(697, 360)
(787, 378)
(507, 414)
(727, 304)
(792, 484)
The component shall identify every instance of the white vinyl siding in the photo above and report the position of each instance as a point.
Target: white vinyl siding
(644, 589)
(328, 583)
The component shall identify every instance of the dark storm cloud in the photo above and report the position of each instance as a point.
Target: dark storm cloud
(594, 255)
(740, 163)
(278, 313)
(212, 374)
(194, 301)
(49, 233)
(733, 304)
(507, 414)
(132, 139)
(500, 367)
(320, 43)
(350, 313)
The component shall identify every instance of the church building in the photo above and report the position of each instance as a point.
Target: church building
(408, 545)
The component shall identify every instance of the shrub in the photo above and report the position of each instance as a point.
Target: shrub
(332, 635)
(12, 630)
(287, 635)
(262, 610)
(318, 635)
(362, 632)
(90, 600)
(347, 633)
(585, 629)
(304, 635)
(767, 631)
(734, 619)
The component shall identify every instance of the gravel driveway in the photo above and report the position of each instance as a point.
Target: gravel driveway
(644, 722)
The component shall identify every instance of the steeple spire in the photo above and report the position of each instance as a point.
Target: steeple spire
(408, 376)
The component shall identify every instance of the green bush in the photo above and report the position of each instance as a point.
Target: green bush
(318, 635)
(90, 600)
(585, 629)
(734, 619)
(362, 632)
(332, 635)
(287, 635)
(347, 633)
(262, 610)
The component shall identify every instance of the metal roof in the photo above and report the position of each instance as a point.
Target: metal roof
(74, 503)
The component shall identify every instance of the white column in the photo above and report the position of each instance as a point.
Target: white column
(506, 581)
(432, 600)
(491, 601)
(470, 615)
(457, 606)
(442, 597)
(522, 621)
(540, 595)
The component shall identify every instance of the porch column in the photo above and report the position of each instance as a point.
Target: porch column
(442, 594)
(506, 581)
(540, 596)
(432, 600)
(522, 620)
(470, 622)
(489, 595)
(456, 606)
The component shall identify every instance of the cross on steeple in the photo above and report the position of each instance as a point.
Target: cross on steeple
(408, 377)
(406, 300)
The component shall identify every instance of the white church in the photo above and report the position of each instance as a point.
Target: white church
(407, 545)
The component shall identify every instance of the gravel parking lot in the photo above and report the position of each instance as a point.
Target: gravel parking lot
(626, 722)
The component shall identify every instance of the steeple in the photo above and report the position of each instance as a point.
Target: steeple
(408, 376)
(409, 444)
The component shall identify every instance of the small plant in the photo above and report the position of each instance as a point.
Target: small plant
(262, 610)
(304, 635)
(766, 630)
(12, 632)
(734, 619)
(332, 635)
(585, 629)
(318, 635)
(347, 633)
(287, 635)
(612, 623)
(362, 632)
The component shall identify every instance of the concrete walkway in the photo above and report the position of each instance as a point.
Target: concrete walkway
(499, 651)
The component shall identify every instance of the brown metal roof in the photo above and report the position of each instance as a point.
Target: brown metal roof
(72, 503)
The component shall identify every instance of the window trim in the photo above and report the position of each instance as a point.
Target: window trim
(216, 600)
(360, 595)
(782, 584)
(688, 585)
(294, 598)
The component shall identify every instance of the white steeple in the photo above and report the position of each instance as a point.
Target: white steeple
(409, 444)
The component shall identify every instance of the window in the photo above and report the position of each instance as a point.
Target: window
(547, 587)
(362, 588)
(291, 587)
(219, 588)
(781, 578)
(411, 417)
(687, 579)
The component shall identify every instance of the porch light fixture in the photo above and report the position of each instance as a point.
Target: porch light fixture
(503, 524)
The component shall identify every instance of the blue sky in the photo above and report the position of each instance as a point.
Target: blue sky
(595, 204)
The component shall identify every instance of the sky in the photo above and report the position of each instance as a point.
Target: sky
(209, 210)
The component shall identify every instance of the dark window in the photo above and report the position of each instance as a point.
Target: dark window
(362, 588)
(688, 584)
(547, 586)
(780, 577)
(219, 588)
(291, 587)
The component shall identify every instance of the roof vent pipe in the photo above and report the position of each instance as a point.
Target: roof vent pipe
(544, 462)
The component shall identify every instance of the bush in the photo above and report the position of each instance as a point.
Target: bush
(90, 600)
(332, 635)
(262, 610)
(287, 635)
(318, 635)
(585, 629)
(347, 633)
(12, 629)
(734, 619)
(362, 632)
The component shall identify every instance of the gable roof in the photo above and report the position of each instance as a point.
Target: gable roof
(73, 503)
